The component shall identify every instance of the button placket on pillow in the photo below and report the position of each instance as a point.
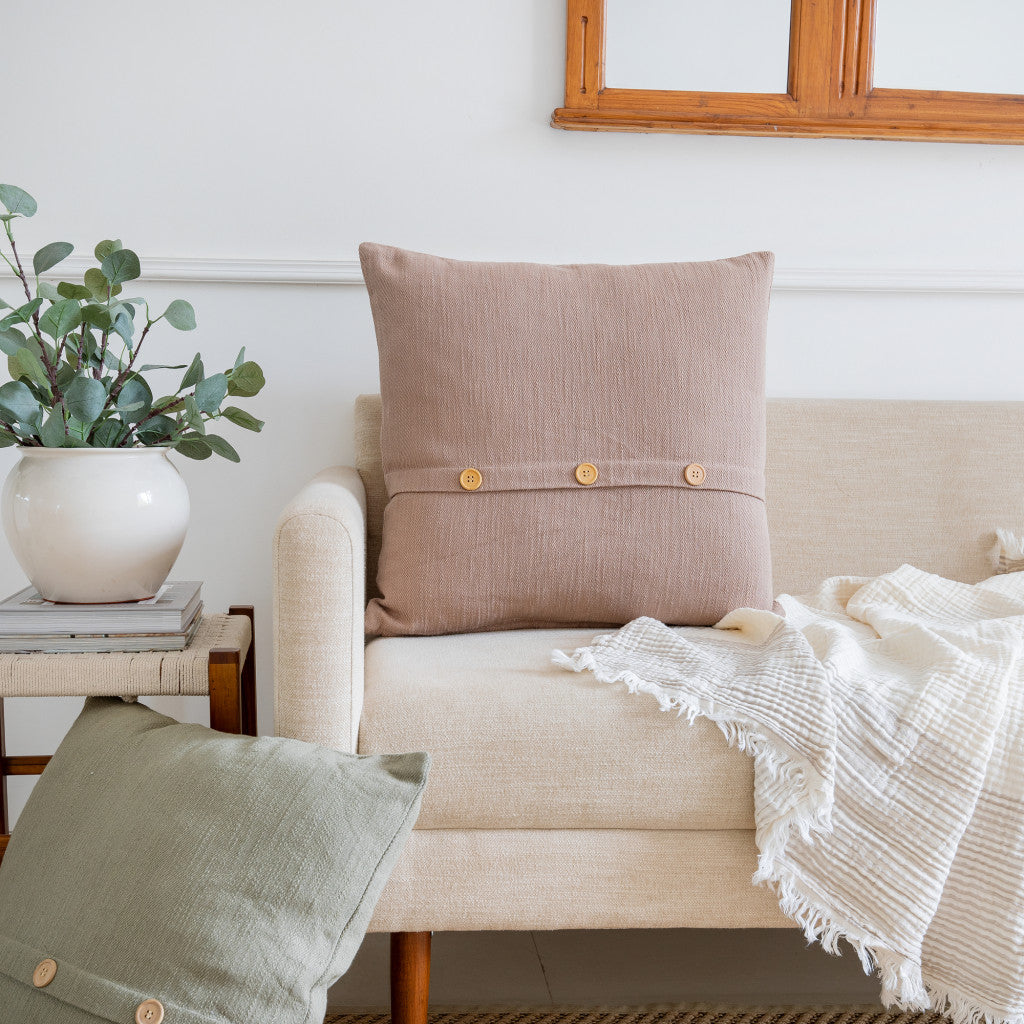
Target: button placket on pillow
(586, 473)
(150, 1011)
(694, 474)
(44, 973)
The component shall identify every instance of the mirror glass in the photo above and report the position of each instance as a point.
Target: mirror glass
(949, 45)
(721, 46)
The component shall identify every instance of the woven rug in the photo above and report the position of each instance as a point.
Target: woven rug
(662, 1015)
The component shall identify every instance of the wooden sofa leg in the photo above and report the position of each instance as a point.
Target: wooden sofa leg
(410, 977)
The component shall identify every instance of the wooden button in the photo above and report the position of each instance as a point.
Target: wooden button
(471, 479)
(44, 973)
(694, 474)
(586, 472)
(149, 1012)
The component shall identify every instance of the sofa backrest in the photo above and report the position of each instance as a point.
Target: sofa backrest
(854, 487)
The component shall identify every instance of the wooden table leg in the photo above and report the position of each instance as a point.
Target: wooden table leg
(4, 812)
(30, 764)
(225, 690)
(248, 672)
(410, 977)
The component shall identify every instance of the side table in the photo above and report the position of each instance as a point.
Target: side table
(219, 663)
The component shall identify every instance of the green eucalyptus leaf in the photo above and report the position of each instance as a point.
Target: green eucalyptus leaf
(70, 354)
(5, 305)
(122, 308)
(31, 426)
(66, 373)
(71, 441)
(27, 430)
(156, 428)
(240, 358)
(61, 318)
(11, 340)
(97, 284)
(193, 417)
(125, 327)
(211, 392)
(52, 433)
(106, 434)
(194, 446)
(48, 291)
(246, 381)
(50, 255)
(17, 201)
(120, 265)
(160, 366)
(193, 375)
(222, 448)
(134, 400)
(76, 427)
(22, 315)
(17, 403)
(180, 315)
(169, 403)
(26, 363)
(85, 398)
(97, 316)
(112, 361)
(67, 290)
(106, 247)
(7, 439)
(241, 418)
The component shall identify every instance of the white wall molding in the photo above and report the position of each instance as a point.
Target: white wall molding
(218, 270)
(904, 279)
(347, 272)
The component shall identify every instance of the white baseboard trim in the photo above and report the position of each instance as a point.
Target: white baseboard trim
(347, 272)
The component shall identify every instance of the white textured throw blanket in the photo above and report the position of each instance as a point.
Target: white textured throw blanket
(886, 722)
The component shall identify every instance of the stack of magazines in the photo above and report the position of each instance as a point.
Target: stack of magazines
(165, 622)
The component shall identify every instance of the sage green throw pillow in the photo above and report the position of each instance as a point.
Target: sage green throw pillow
(172, 872)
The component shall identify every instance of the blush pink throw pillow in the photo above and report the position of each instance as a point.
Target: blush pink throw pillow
(569, 445)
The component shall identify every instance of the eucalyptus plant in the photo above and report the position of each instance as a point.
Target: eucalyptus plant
(73, 355)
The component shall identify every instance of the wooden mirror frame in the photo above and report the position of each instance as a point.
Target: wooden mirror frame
(830, 91)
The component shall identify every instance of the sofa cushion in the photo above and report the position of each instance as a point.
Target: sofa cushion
(519, 743)
(569, 445)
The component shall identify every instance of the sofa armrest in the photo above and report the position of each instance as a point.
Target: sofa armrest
(319, 585)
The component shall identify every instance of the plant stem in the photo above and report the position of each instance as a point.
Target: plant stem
(81, 348)
(115, 388)
(98, 371)
(17, 259)
(152, 414)
(51, 370)
(14, 269)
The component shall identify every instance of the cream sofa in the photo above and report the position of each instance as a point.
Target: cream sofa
(556, 802)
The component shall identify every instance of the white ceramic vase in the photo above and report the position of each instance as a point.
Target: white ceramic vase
(94, 525)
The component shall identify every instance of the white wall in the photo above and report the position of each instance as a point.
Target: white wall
(291, 132)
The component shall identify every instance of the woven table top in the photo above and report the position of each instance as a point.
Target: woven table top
(145, 674)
